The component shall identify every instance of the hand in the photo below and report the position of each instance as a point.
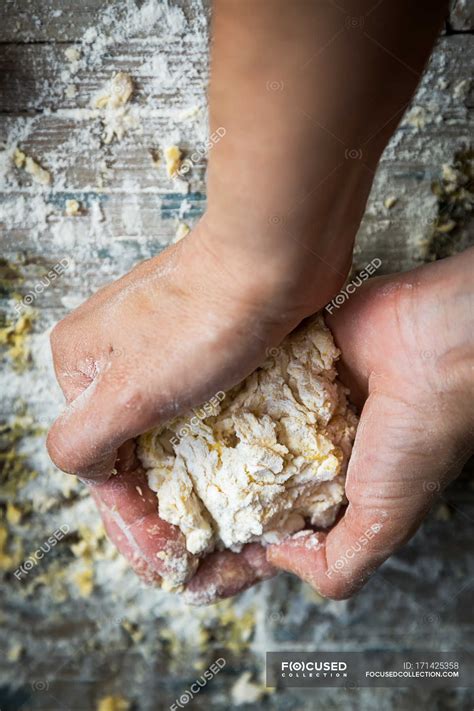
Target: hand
(408, 356)
(166, 337)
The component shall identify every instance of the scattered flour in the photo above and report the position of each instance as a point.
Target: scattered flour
(246, 691)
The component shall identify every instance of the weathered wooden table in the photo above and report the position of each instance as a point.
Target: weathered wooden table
(75, 624)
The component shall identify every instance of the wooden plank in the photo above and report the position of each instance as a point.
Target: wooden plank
(67, 20)
(23, 21)
(122, 179)
(166, 72)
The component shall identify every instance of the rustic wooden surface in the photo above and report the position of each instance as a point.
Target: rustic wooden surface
(75, 650)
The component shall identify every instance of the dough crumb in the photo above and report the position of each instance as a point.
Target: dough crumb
(112, 102)
(73, 208)
(13, 515)
(390, 201)
(113, 703)
(173, 160)
(84, 579)
(245, 691)
(40, 175)
(14, 652)
(416, 117)
(182, 230)
(117, 93)
(19, 158)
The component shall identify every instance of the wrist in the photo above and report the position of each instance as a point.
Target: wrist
(444, 304)
(294, 273)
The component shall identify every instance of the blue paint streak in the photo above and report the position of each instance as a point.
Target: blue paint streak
(171, 202)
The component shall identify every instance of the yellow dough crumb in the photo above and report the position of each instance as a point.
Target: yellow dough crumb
(14, 652)
(6, 560)
(112, 101)
(14, 336)
(40, 175)
(173, 160)
(84, 580)
(73, 208)
(390, 202)
(447, 226)
(182, 230)
(113, 703)
(19, 158)
(13, 514)
(117, 93)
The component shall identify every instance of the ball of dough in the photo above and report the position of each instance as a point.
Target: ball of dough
(261, 461)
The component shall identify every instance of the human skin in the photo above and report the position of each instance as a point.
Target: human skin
(285, 199)
(407, 345)
(408, 356)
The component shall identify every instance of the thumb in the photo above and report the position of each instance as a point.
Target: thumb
(396, 470)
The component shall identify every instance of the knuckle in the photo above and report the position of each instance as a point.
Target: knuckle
(63, 457)
(58, 336)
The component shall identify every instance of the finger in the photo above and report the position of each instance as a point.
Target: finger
(71, 350)
(155, 549)
(224, 574)
(85, 438)
(391, 484)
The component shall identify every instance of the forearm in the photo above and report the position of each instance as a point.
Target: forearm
(308, 103)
